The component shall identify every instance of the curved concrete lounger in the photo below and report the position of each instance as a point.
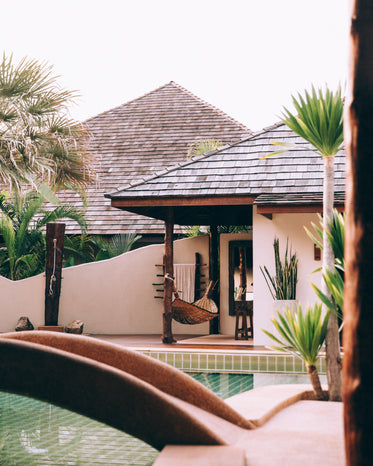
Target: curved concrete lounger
(109, 395)
(162, 376)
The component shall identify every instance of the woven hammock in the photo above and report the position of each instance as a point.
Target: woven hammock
(198, 312)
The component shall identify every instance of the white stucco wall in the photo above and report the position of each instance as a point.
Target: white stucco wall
(115, 296)
(283, 226)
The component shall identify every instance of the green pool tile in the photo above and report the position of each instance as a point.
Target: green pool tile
(203, 361)
(228, 362)
(186, 361)
(178, 360)
(194, 363)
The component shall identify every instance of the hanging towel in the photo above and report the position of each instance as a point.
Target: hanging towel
(185, 275)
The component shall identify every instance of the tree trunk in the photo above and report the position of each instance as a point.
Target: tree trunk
(333, 354)
(315, 381)
(358, 308)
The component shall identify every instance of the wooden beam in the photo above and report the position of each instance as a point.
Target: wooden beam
(53, 268)
(182, 201)
(214, 274)
(168, 283)
(357, 309)
(293, 209)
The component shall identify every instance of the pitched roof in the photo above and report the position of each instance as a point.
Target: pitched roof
(237, 170)
(141, 137)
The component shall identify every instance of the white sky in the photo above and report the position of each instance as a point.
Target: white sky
(246, 57)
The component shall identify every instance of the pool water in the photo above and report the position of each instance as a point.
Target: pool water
(37, 433)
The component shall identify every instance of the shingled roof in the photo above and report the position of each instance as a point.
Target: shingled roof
(294, 178)
(139, 138)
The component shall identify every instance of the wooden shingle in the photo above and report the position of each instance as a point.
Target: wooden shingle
(139, 138)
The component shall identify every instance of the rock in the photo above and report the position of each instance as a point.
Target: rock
(24, 324)
(76, 326)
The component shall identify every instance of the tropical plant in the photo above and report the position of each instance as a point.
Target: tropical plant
(114, 246)
(283, 284)
(78, 249)
(38, 140)
(22, 220)
(302, 334)
(319, 121)
(197, 230)
(203, 146)
(333, 278)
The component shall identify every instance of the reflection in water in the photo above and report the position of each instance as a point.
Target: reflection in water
(37, 433)
(225, 385)
(33, 433)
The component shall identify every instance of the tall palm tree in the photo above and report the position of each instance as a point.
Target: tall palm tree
(38, 140)
(22, 220)
(319, 120)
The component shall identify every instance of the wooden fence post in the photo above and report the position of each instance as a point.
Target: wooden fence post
(53, 267)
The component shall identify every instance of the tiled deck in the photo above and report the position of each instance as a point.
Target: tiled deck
(214, 353)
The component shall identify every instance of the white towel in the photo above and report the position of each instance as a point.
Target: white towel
(185, 275)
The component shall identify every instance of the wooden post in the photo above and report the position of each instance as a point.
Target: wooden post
(168, 284)
(53, 267)
(358, 307)
(214, 275)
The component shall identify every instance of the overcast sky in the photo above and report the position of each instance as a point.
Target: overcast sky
(245, 57)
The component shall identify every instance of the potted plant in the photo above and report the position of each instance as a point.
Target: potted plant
(282, 285)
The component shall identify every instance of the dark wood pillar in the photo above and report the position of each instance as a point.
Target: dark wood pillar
(168, 284)
(358, 301)
(53, 268)
(214, 275)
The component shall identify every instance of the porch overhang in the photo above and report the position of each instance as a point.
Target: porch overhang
(188, 210)
(295, 203)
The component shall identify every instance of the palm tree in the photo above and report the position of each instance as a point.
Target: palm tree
(319, 120)
(302, 335)
(38, 140)
(118, 244)
(22, 220)
(203, 146)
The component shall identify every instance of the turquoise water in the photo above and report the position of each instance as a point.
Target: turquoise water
(37, 433)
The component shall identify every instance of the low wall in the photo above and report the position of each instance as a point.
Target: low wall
(115, 296)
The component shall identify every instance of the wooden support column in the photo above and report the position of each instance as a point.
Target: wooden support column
(214, 275)
(53, 267)
(358, 301)
(168, 284)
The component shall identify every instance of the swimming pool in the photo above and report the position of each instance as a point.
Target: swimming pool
(37, 433)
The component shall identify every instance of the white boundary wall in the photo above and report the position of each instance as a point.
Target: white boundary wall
(114, 296)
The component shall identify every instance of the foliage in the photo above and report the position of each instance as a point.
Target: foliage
(283, 284)
(302, 334)
(22, 220)
(78, 249)
(115, 246)
(335, 235)
(196, 230)
(38, 140)
(334, 278)
(318, 120)
(203, 146)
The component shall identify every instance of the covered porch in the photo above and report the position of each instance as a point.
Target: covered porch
(212, 212)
